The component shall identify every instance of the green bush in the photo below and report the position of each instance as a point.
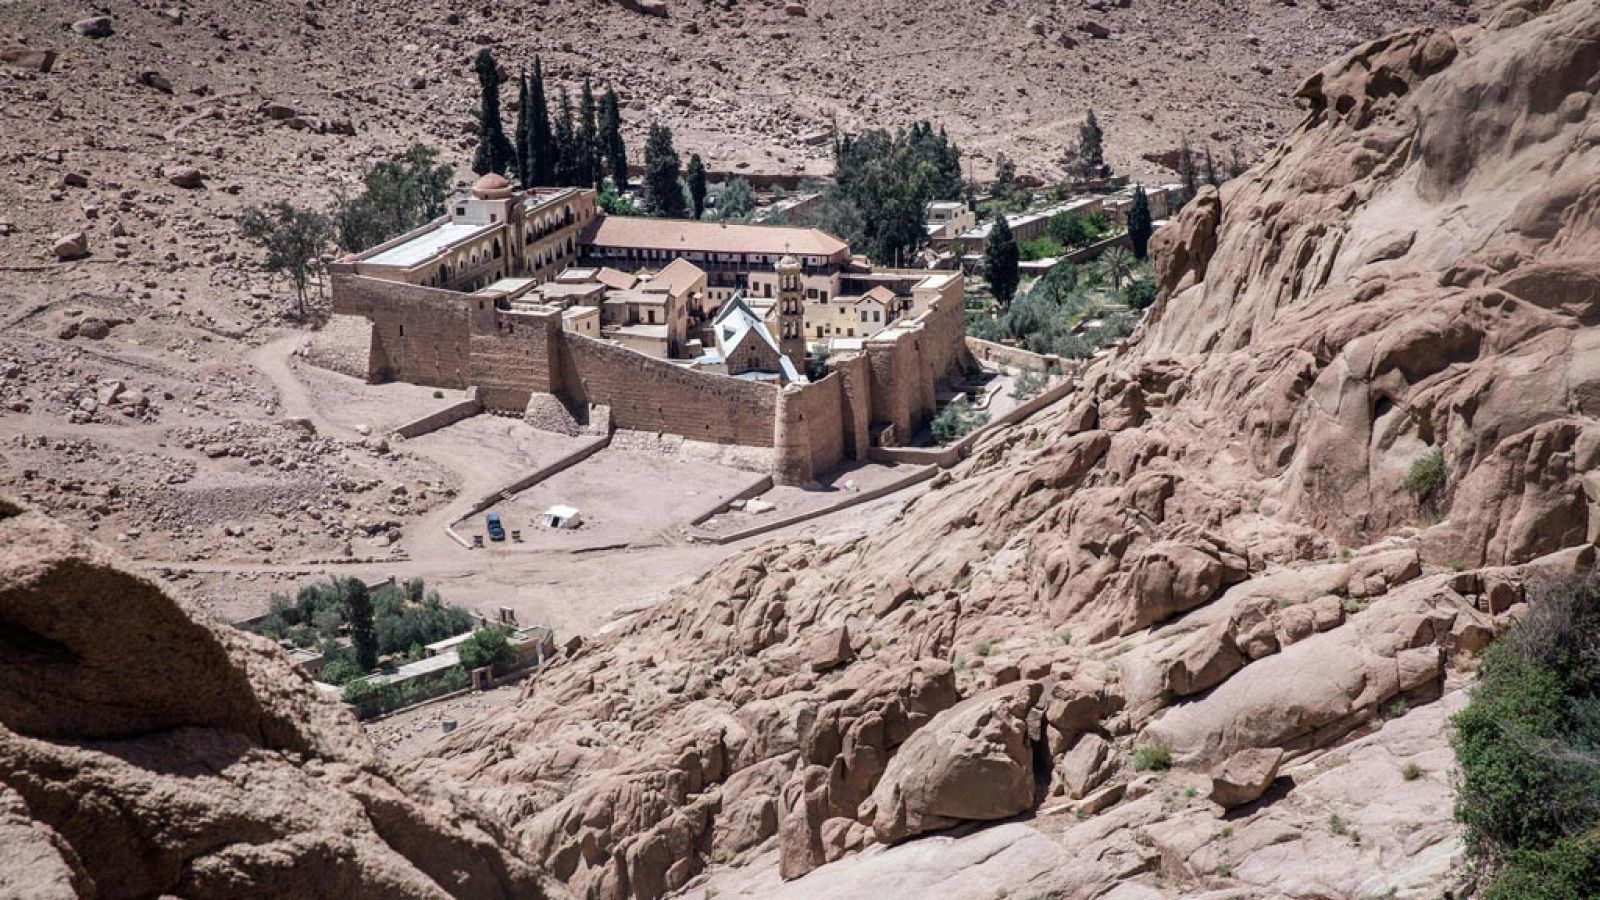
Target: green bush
(374, 699)
(1569, 870)
(957, 420)
(488, 647)
(1526, 747)
(1426, 475)
(1152, 758)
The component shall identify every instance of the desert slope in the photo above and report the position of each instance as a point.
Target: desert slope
(1205, 553)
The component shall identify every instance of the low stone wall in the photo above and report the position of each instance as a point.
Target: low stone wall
(947, 456)
(915, 477)
(507, 491)
(1015, 357)
(444, 418)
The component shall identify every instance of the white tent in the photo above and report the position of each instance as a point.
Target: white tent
(561, 517)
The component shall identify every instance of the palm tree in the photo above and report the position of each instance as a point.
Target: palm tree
(1116, 264)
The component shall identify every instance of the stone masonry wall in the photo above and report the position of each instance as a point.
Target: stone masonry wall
(809, 430)
(419, 334)
(647, 394)
(512, 352)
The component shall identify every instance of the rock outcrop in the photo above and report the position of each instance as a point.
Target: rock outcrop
(1361, 414)
(145, 751)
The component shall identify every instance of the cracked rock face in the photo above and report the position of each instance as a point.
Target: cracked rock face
(146, 750)
(1210, 547)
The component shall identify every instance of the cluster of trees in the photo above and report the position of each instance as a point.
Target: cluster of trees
(1086, 160)
(397, 195)
(883, 182)
(392, 620)
(1197, 170)
(1528, 751)
(563, 146)
(1047, 318)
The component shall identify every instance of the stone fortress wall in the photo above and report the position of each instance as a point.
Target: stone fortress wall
(449, 339)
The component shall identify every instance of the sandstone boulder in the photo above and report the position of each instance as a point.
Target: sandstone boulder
(214, 768)
(830, 649)
(28, 58)
(71, 246)
(1243, 777)
(972, 762)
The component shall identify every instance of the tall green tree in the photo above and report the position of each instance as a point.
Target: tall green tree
(397, 195)
(1000, 261)
(663, 190)
(1140, 225)
(696, 180)
(523, 136)
(569, 155)
(495, 152)
(1086, 159)
(294, 240)
(363, 634)
(611, 145)
(737, 201)
(589, 139)
(542, 169)
(882, 185)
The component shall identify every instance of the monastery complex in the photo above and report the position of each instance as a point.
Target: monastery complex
(554, 310)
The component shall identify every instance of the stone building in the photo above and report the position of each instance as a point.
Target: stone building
(554, 311)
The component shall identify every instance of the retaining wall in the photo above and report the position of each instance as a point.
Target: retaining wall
(1014, 357)
(444, 418)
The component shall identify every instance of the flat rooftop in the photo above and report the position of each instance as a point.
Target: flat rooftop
(427, 245)
(682, 235)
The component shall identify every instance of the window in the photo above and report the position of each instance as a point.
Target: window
(877, 316)
(863, 315)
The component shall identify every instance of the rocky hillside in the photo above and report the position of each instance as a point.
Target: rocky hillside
(145, 751)
(1200, 623)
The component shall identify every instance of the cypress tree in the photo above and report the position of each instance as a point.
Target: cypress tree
(543, 168)
(611, 146)
(524, 133)
(1091, 148)
(495, 153)
(358, 611)
(1140, 226)
(569, 158)
(1001, 260)
(589, 139)
(697, 184)
(663, 192)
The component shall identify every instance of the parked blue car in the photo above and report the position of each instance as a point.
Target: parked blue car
(497, 532)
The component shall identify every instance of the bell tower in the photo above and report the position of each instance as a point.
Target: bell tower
(791, 313)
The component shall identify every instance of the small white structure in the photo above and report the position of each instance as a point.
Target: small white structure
(561, 517)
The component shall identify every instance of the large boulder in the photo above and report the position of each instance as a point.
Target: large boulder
(973, 762)
(146, 750)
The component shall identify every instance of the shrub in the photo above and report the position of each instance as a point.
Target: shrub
(956, 421)
(1529, 785)
(1411, 771)
(1426, 476)
(1029, 385)
(1152, 758)
(489, 647)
